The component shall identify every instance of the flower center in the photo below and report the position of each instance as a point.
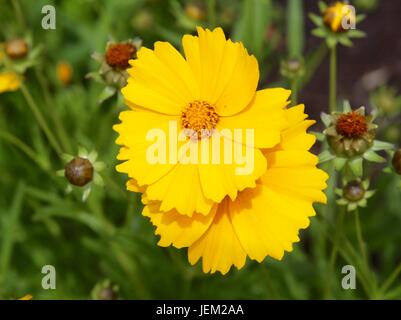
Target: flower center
(352, 125)
(118, 55)
(201, 118)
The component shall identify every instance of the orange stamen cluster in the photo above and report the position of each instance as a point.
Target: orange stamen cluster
(201, 117)
(352, 125)
(118, 55)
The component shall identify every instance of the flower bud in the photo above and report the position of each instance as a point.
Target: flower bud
(351, 133)
(292, 68)
(107, 294)
(105, 290)
(16, 48)
(119, 54)
(79, 171)
(397, 161)
(336, 15)
(354, 191)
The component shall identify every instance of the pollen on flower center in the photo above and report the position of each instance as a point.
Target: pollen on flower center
(118, 55)
(352, 125)
(201, 117)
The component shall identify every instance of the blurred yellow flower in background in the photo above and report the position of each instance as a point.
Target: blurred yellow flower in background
(9, 81)
(64, 72)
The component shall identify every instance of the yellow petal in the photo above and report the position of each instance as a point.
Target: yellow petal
(154, 85)
(176, 229)
(226, 73)
(219, 180)
(267, 223)
(181, 189)
(133, 130)
(265, 115)
(219, 246)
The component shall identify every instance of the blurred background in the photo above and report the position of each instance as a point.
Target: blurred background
(104, 242)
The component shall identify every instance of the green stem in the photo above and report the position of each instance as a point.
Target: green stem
(211, 12)
(61, 132)
(359, 236)
(9, 233)
(40, 119)
(18, 14)
(313, 62)
(294, 91)
(24, 148)
(333, 80)
(334, 252)
(390, 280)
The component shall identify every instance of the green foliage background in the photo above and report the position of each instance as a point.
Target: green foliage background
(106, 237)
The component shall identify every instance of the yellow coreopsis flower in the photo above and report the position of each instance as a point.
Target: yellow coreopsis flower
(9, 81)
(210, 92)
(261, 221)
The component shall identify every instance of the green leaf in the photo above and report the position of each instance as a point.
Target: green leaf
(347, 106)
(319, 136)
(354, 33)
(326, 156)
(373, 157)
(342, 202)
(370, 193)
(316, 19)
(381, 145)
(319, 32)
(326, 118)
(322, 6)
(10, 224)
(356, 166)
(106, 93)
(295, 28)
(360, 18)
(339, 163)
(256, 16)
(345, 41)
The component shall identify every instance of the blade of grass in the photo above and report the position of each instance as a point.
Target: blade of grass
(9, 226)
(295, 28)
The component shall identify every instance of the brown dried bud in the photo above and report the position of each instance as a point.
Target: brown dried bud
(354, 191)
(119, 54)
(16, 48)
(79, 171)
(107, 293)
(397, 161)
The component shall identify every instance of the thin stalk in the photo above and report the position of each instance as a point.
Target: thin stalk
(18, 14)
(211, 12)
(333, 80)
(390, 280)
(24, 148)
(40, 119)
(11, 219)
(313, 62)
(359, 236)
(61, 132)
(362, 248)
(294, 92)
(334, 252)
